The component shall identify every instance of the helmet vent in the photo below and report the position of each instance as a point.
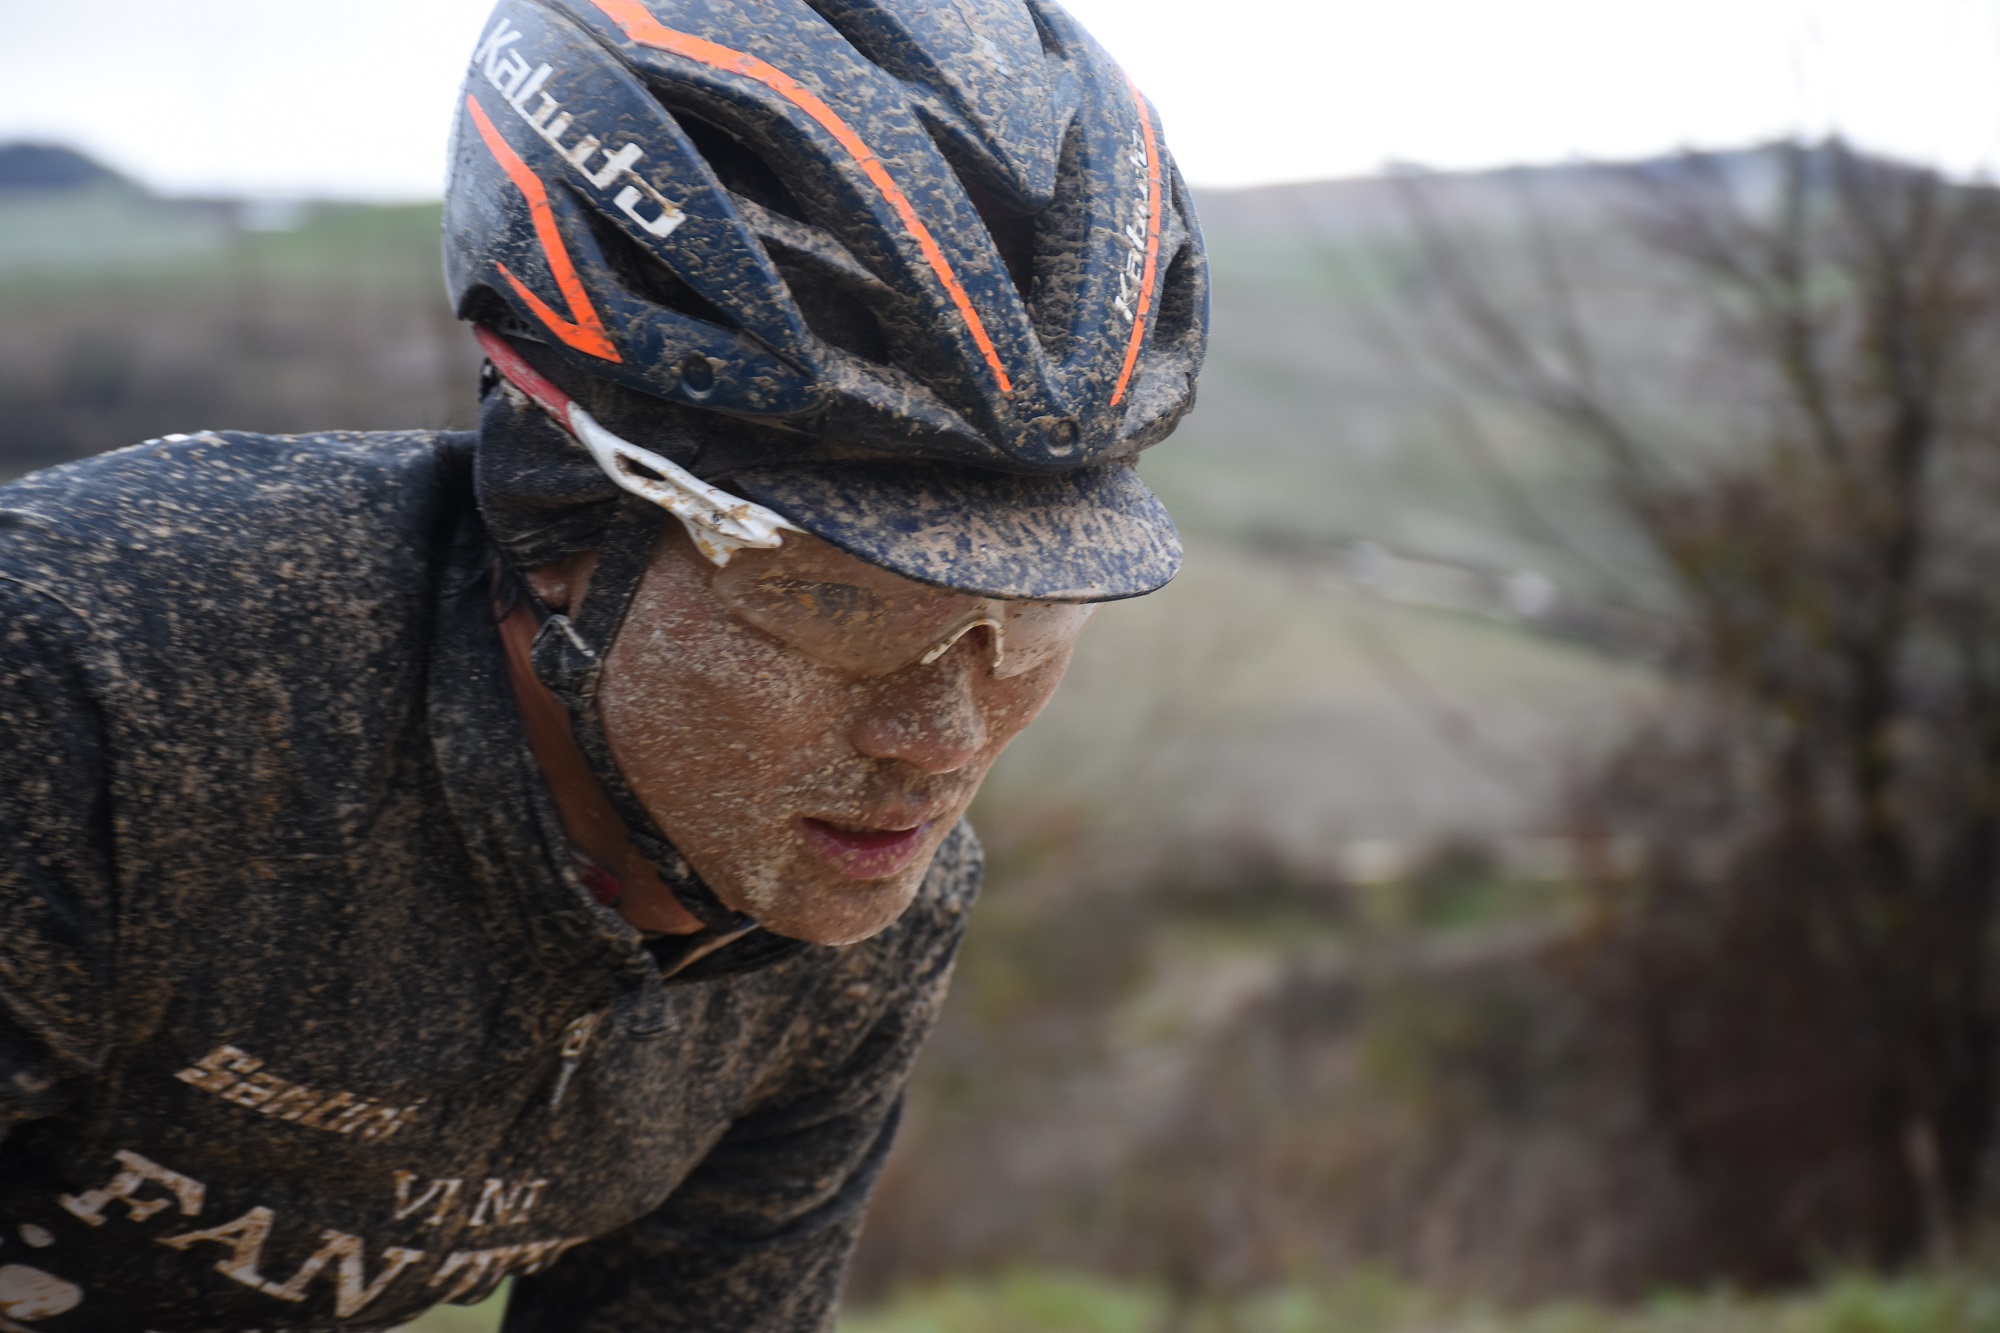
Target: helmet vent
(1013, 231)
(647, 277)
(1061, 237)
(483, 305)
(833, 312)
(1052, 46)
(1177, 299)
(740, 168)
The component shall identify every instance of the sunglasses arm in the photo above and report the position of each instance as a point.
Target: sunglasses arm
(721, 524)
(946, 644)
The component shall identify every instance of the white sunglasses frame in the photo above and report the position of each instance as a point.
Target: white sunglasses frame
(720, 524)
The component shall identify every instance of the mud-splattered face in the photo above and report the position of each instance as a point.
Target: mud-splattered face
(806, 796)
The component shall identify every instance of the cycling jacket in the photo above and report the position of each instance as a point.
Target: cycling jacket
(306, 1021)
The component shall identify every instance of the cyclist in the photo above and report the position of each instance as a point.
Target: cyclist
(432, 859)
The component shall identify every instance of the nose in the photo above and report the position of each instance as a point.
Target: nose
(926, 716)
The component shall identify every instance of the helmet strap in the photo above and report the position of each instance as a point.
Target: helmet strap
(568, 658)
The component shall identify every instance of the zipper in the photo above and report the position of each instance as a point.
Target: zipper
(575, 1042)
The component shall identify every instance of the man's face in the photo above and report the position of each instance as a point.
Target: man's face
(807, 796)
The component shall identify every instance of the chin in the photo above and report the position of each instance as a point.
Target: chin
(804, 900)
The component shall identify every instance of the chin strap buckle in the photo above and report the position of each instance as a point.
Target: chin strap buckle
(565, 663)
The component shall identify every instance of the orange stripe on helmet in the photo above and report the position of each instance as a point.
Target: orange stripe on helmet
(640, 25)
(1145, 305)
(586, 331)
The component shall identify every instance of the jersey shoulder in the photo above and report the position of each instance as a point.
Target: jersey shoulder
(213, 515)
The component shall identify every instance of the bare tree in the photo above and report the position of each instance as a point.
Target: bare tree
(1797, 966)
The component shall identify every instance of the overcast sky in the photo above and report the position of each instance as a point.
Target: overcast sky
(353, 98)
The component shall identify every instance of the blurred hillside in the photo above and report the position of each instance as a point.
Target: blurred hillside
(1375, 666)
(1334, 696)
(1251, 992)
(124, 316)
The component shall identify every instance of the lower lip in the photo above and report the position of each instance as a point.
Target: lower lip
(873, 854)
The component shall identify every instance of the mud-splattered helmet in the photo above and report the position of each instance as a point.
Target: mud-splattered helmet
(920, 273)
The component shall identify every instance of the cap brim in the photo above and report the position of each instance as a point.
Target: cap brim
(1092, 535)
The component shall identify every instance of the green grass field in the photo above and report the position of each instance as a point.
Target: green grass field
(1053, 1304)
(1057, 1303)
(481, 1318)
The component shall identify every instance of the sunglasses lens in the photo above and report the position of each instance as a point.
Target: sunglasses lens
(867, 621)
(1033, 632)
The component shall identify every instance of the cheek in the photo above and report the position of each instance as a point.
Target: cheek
(684, 676)
(1010, 705)
(712, 725)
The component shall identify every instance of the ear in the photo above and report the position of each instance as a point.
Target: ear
(560, 586)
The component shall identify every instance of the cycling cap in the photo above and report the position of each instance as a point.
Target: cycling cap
(917, 275)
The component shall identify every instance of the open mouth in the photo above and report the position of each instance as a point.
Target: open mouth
(864, 853)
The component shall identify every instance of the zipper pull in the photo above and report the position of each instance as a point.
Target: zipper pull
(576, 1040)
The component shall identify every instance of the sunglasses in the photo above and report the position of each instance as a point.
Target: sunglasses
(802, 592)
(867, 621)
